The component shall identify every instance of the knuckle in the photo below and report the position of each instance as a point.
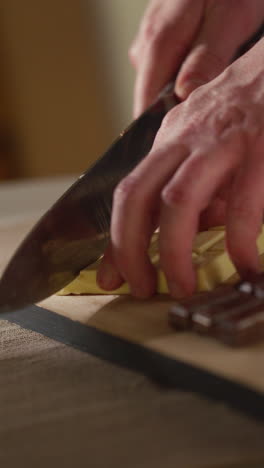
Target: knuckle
(167, 121)
(152, 33)
(195, 105)
(126, 190)
(133, 53)
(228, 76)
(233, 118)
(155, 47)
(176, 195)
(170, 118)
(163, 133)
(151, 26)
(150, 30)
(235, 114)
(159, 36)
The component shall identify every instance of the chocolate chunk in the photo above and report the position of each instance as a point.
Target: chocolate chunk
(233, 314)
(205, 321)
(243, 328)
(181, 314)
(245, 287)
(258, 286)
(254, 286)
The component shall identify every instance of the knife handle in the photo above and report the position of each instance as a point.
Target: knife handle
(168, 89)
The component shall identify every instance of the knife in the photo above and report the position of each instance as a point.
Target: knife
(75, 230)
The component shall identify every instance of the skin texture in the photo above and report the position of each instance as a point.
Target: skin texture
(188, 37)
(206, 167)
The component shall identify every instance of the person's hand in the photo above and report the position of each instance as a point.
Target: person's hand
(198, 38)
(206, 167)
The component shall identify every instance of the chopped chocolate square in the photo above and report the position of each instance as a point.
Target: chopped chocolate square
(180, 314)
(205, 321)
(243, 328)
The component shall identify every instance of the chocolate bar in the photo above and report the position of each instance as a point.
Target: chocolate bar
(181, 314)
(206, 321)
(256, 284)
(233, 314)
(242, 328)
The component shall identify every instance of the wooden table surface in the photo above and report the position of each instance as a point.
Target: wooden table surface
(62, 407)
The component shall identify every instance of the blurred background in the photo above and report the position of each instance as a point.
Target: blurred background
(66, 84)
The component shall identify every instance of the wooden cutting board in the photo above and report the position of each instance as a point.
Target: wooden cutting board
(137, 334)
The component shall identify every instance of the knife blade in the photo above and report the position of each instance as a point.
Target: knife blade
(75, 230)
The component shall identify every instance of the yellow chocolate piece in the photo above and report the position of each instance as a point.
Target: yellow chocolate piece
(211, 261)
(205, 240)
(217, 228)
(219, 246)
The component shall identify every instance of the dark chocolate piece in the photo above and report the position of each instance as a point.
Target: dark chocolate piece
(233, 314)
(205, 321)
(243, 328)
(245, 287)
(180, 314)
(258, 286)
(254, 286)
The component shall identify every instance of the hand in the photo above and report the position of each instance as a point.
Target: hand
(206, 166)
(197, 38)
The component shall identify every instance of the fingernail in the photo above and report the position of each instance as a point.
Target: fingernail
(108, 277)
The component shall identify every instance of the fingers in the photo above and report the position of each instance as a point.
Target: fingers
(199, 38)
(185, 197)
(214, 215)
(108, 276)
(245, 215)
(146, 29)
(165, 36)
(134, 218)
(189, 184)
(226, 26)
(176, 248)
(130, 233)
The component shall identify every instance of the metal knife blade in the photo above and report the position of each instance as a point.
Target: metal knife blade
(74, 232)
